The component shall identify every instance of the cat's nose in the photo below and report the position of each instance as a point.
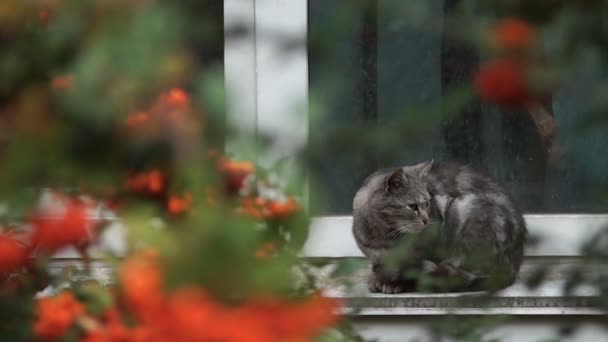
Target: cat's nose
(425, 220)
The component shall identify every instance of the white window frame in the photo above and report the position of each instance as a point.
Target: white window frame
(267, 93)
(267, 88)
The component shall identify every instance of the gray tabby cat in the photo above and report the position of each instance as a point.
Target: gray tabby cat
(481, 239)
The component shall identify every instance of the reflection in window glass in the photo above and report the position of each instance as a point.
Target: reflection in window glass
(385, 84)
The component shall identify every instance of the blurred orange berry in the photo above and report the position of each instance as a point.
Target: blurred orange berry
(69, 226)
(63, 82)
(313, 316)
(12, 254)
(95, 336)
(260, 202)
(137, 119)
(141, 279)
(513, 34)
(155, 182)
(115, 325)
(151, 182)
(146, 333)
(194, 316)
(234, 173)
(45, 17)
(503, 82)
(266, 250)
(254, 207)
(179, 205)
(287, 321)
(190, 314)
(282, 210)
(56, 315)
(170, 108)
(261, 208)
(177, 97)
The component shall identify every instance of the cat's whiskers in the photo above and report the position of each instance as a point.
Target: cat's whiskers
(402, 230)
(409, 227)
(395, 234)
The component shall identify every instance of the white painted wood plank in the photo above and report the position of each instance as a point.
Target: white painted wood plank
(282, 76)
(516, 329)
(528, 311)
(563, 234)
(240, 72)
(331, 237)
(559, 235)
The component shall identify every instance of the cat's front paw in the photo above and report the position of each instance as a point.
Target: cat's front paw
(375, 286)
(392, 288)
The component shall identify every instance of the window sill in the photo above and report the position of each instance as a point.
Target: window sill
(518, 299)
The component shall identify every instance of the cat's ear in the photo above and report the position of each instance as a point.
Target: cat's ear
(424, 168)
(395, 181)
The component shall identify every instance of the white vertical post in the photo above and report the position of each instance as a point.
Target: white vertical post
(282, 75)
(240, 71)
(266, 73)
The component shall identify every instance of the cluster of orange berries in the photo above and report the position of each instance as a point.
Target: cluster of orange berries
(504, 81)
(51, 230)
(71, 225)
(179, 204)
(266, 250)
(170, 105)
(235, 173)
(188, 314)
(152, 183)
(149, 182)
(56, 315)
(257, 207)
(261, 208)
(13, 254)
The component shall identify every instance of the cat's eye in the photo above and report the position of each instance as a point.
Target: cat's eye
(413, 206)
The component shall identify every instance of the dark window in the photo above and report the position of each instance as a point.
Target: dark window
(384, 84)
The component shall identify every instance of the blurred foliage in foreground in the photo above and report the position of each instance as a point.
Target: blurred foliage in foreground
(114, 109)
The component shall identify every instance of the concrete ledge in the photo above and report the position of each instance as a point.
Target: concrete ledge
(546, 299)
(518, 300)
(532, 311)
(467, 304)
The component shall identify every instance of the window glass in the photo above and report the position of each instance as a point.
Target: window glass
(382, 84)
